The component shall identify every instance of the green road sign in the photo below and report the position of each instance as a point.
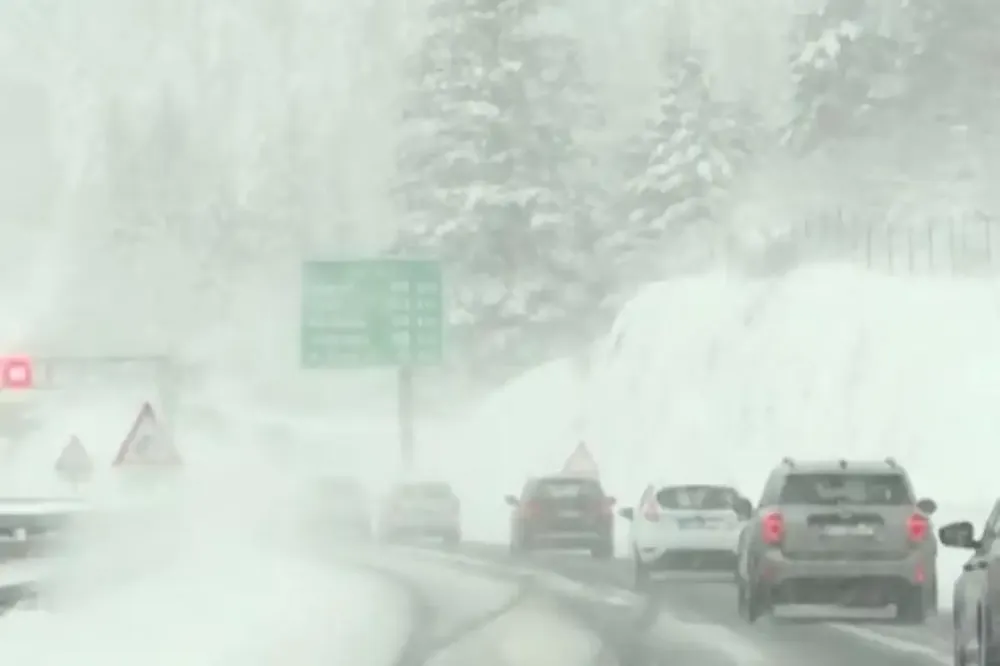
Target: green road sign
(371, 313)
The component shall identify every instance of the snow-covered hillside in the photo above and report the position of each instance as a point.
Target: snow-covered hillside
(714, 378)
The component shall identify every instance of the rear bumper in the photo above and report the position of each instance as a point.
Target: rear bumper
(423, 526)
(554, 537)
(833, 581)
(654, 545)
(693, 560)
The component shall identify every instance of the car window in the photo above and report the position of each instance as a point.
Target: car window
(567, 489)
(704, 498)
(838, 488)
(425, 491)
(341, 489)
(992, 526)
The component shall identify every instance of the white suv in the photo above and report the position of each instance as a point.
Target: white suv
(683, 528)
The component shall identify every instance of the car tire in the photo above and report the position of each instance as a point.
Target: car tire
(958, 655)
(519, 546)
(753, 600)
(989, 655)
(641, 579)
(912, 605)
(603, 551)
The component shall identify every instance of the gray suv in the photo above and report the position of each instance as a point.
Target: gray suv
(839, 533)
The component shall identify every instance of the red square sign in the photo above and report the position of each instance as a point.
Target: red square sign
(16, 373)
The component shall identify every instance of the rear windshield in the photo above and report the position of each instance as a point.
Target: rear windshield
(342, 488)
(704, 498)
(425, 491)
(567, 489)
(833, 489)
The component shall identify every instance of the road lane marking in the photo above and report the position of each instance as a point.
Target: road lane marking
(893, 643)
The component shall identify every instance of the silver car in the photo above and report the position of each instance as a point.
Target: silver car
(342, 508)
(977, 591)
(420, 510)
(840, 533)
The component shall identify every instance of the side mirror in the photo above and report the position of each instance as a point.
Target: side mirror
(958, 535)
(927, 506)
(628, 513)
(743, 508)
(511, 501)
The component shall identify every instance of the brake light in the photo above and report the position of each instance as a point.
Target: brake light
(651, 510)
(530, 509)
(917, 527)
(772, 528)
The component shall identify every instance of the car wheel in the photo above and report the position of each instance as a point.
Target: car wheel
(519, 546)
(988, 654)
(911, 607)
(754, 599)
(641, 579)
(932, 605)
(603, 551)
(957, 648)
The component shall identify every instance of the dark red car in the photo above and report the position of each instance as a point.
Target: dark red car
(562, 512)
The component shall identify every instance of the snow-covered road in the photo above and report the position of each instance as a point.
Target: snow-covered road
(256, 608)
(414, 606)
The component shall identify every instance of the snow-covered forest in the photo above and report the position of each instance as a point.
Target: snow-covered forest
(166, 165)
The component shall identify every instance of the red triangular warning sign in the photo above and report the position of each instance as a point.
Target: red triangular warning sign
(581, 463)
(74, 464)
(145, 445)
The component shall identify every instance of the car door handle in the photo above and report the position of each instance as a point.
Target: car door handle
(975, 565)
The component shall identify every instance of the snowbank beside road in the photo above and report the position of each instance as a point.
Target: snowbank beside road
(252, 609)
(711, 377)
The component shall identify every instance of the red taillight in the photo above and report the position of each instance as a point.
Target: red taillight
(651, 510)
(772, 528)
(530, 509)
(917, 527)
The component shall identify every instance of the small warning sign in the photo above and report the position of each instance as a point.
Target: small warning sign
(146, 444)
(74, 464)
(581, 463)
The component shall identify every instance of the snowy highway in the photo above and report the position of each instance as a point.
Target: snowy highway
(410, 606)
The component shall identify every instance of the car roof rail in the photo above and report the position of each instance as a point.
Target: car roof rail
(842, 463)
(787, 462)
(891, 462)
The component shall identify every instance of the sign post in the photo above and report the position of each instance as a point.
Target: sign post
(74, 465)
(374, 313)
(406, 416)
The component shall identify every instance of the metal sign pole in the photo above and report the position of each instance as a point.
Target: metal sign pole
(406, 416)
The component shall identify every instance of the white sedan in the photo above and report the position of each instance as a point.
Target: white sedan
(684, 528)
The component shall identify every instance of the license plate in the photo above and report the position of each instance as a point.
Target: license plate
(849, 530)
(691, 523)
(570, 513)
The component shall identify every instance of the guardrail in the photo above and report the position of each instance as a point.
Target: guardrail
(31, 531)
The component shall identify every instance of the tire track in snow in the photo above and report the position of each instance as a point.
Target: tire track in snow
(425, 639)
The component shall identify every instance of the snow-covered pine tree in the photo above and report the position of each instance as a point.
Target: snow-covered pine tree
(678, 168)
(950, 73)
(491, 182)
(560, 163)
(847, 69)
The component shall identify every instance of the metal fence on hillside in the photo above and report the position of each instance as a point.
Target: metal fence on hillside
(961, 246)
